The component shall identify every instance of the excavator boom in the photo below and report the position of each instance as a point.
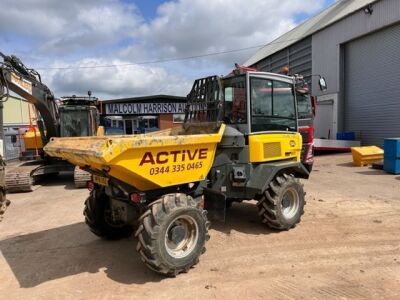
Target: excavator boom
(16, 77)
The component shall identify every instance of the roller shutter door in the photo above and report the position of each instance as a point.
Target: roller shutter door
(372, 86)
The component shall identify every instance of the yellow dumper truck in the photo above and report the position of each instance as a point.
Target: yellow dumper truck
(239, 141)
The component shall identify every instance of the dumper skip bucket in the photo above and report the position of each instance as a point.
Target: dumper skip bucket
(146, 161)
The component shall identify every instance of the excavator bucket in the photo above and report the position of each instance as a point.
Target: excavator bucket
(145, 161)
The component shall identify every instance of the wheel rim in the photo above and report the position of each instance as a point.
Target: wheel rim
(181, 236)
(290, 203)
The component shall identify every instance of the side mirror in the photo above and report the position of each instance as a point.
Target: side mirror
(322, 84)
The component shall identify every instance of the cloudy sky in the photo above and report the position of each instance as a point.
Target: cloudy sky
(64, 40)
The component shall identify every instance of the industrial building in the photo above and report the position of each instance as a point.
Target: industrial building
(355, 45)
(17, 117)
(142, 114)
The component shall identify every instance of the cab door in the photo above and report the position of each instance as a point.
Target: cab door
(273, 120)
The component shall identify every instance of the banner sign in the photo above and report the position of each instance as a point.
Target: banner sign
(149, 108)
(144, 108)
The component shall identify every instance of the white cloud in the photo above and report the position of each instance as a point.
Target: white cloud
(63, 26)
(34, 19)
(91, 32)
(189, 27)
(115, 82)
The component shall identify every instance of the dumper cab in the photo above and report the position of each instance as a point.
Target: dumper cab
(260, 139)
(305, 111)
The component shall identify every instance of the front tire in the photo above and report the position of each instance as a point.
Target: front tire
(172, 234)
(97, 214)
(282, 204)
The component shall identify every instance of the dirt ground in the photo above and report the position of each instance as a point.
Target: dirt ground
(347, 246)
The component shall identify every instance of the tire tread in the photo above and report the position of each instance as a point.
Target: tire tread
(269, 201)
(149, 229)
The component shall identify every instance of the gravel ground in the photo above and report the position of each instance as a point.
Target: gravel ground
(347, 246)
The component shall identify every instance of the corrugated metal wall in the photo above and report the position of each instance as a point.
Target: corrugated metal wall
(372, 86)
(328, 52)
(297, 57)
(326, 43)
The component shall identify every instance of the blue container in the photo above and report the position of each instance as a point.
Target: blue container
(392, 165)
(339, 136)
(392, 148)
(392, 156)
(350, 136)
(346, 136)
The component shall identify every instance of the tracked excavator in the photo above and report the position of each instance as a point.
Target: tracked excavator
(73, 116)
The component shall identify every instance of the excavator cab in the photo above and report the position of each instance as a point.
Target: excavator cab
(78, 116)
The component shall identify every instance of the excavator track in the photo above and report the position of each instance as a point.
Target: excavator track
(4, 203)
(19, 179)
(81, 177)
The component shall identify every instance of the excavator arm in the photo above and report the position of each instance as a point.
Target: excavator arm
(27, 83)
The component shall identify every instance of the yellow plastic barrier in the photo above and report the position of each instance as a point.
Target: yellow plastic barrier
(145, 161)
(363, 156)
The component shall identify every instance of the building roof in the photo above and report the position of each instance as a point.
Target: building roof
(332, 14)
(152, 98)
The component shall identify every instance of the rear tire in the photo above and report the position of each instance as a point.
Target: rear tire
(282, 204)
(97, 214)
(172, 234)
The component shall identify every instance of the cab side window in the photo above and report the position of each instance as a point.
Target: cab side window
(272, 105)
(261, 95)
